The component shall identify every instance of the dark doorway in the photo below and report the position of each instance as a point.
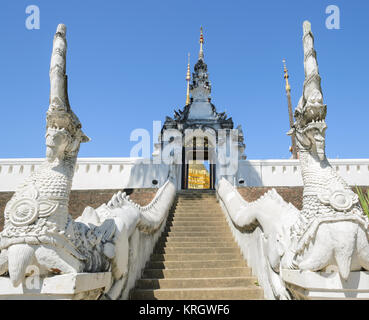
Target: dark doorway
(198, 171)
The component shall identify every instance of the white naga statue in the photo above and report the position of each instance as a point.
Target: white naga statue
(331, 230)
(38, 229)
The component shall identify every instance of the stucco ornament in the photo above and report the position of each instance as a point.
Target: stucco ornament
(38, 229)
(331, 230)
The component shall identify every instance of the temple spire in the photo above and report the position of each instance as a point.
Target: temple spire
(286, 76)
(201, 53)
(200, 89)
(288, 92)
(188, 79)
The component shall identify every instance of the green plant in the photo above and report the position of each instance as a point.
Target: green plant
(364, 200)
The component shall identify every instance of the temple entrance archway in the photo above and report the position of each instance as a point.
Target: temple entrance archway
(198, 159)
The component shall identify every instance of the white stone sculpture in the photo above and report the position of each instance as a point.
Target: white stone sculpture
(332, 227)
(330, 232)
(117, 237)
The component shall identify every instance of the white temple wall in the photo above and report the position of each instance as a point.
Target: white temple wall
(287, 173)
(119, 173)
(91, 173)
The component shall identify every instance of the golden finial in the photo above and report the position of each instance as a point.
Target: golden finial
(293, 148)
(286, 76)
(201, 54)
(188, 78)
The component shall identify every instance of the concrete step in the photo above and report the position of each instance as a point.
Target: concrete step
(197, 204)
(197, 196)
(196, 191)
(188, 234)
(195, 264)
(196, 273)
(197, 224)
(220, 238)
(196, 209)
(199, 219)
(196, 215)
(205, 250)
(197, 227)
(199, 201)
(228, 244)
(195, 257)
(202, 229)
(197, 233)
(196, 199)
(199, 214)
(236, 293)
(195, 283)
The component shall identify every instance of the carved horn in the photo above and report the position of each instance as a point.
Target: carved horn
(58, 78)
(312, 77)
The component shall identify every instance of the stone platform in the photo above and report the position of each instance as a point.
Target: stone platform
(78, 286)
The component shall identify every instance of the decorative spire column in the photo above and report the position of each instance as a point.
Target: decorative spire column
(201, 53)
(188, 79)
(200, 87)
(288, 93)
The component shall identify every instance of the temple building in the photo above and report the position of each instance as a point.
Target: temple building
(198, 132)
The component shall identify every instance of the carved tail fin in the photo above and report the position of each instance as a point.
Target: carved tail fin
(20, 257)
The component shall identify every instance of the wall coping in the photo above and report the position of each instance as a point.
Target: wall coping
(119, 173)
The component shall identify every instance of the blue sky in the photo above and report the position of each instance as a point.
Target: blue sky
(127, 61)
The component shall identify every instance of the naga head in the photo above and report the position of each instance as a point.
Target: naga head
(63, 129)
(309, 127)
(63, 135)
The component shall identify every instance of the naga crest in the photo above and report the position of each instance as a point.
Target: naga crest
(63, 128)
(309, 127)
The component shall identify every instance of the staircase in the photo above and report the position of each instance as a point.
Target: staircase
(196, 257)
